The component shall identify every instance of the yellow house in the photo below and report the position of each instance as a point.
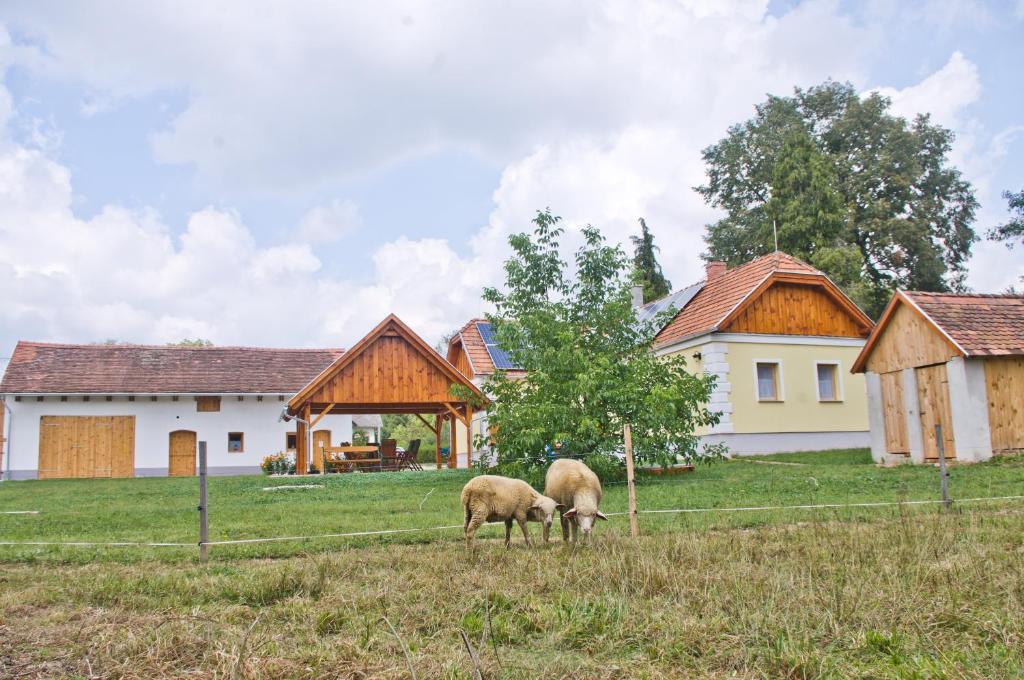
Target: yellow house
(777, 334)
(780, 338)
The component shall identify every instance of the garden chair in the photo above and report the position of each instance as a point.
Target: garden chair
(389, 458)
(408, 457)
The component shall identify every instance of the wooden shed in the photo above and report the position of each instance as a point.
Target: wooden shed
(391, 370)
(952, 361)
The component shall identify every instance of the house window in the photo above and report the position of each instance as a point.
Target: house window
(828, 382)
(207, 404)
(236, 442)
(768, 386)
(290, 441)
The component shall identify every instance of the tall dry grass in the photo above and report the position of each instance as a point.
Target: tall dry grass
(920, 596)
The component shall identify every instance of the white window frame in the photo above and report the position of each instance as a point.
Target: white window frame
(780, 383)
(839, 395)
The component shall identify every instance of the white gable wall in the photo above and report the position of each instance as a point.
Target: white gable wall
(155, 420)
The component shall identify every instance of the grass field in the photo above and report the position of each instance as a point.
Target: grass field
(872, 592)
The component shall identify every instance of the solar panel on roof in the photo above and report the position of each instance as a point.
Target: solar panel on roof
(679, 299)
(499, 356)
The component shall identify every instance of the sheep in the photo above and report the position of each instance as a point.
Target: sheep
(574, 486)
(492, 498)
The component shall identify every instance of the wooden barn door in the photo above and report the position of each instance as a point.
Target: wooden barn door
(86, 446)
(320, 437)
(933, 403)
(893, 410)
(182, 460)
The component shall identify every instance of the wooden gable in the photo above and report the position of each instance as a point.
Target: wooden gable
(391, 368)
(798, 305)
(904, 338)
(458, 358)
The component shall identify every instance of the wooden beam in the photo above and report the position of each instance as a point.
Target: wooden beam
(456, 414)
(437, 440)
(453, 446)
(424, 420)
(323, 413)
(301, 455)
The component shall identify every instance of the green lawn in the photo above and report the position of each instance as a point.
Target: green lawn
(164, 510)
(902, 592)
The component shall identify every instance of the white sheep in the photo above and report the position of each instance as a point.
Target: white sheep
(573, 485)
(492, 498)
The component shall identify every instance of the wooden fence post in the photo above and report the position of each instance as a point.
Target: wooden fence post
(634, 527)
(204, 526)
(941, 446)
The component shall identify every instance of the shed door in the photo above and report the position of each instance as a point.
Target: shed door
(933, 402)
(893, 411)
(182, 462)
(86, 446)
(320, 437)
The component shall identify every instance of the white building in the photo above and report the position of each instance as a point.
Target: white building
(129, 410)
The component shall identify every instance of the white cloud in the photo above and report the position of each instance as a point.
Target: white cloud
(944, 94)
(598, 110)
(331, 222)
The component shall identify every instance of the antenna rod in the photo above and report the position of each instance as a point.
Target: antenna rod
(775, 230)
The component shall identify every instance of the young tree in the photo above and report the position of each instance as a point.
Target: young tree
(864, 195)
(588, 361)
(646, 270)
(1014, 229)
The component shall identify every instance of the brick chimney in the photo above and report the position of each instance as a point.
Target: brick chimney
(712, 270)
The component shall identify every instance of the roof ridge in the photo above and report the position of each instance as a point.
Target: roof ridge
(100, 345)
(928, 293)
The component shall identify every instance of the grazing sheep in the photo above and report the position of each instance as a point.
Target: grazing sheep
(574, 486)
(491, 498)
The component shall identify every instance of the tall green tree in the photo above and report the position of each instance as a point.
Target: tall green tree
(1014, 229)
(868, 197)
(646, 269)
(589, 368)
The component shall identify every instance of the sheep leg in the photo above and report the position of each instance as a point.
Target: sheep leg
(526, 534)
(474, 523)
(508, 532)
(573, 527)
(565, 528)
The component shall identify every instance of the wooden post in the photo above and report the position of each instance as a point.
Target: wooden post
(437, 440)
(301, 442)
(634, 527)
(204, 525)
(942, 466)
(469, 436)
(453, 447)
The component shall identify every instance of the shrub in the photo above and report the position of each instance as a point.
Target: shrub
(279, 463)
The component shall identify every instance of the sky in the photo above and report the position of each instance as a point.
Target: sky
(287, 174)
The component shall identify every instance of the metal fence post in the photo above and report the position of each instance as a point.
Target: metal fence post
(634, 527)
(942, 466)
(204, 527)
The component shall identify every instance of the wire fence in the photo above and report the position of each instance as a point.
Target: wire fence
(204, 543)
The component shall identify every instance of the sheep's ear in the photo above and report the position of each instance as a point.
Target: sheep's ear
(601, 515)
(570, 513)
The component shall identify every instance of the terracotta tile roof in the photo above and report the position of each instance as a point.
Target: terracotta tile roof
(979, 324)
(47, 368)
(720, 295)
(475, 348)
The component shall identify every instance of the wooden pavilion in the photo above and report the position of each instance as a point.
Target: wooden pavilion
(391, 370)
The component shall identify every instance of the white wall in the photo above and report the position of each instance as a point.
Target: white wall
(155, 420)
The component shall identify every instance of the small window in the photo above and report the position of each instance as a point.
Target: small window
(768, 381)
(828, 382)
(290, 439)
(236, 442)
(207, 404)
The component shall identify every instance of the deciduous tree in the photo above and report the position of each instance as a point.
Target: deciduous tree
(868, 197)
(588, 360)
